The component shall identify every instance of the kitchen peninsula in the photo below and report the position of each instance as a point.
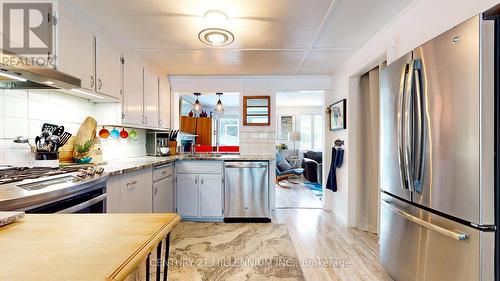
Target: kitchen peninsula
(84, 247)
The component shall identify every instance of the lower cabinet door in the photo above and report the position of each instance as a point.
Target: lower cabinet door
(211, 203)
(164, 196)
(187, 195)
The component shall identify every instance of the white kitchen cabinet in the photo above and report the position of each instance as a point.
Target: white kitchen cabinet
(150, 99)
(130, 192)
(200, 190)
(108, 68)
(164, 195)
(75, 51)
(133, 92)
(187, 195)
(211, 197)
(164, 103)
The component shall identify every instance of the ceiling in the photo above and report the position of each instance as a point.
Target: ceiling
(210, 99)
(280, 37)
(300, 99)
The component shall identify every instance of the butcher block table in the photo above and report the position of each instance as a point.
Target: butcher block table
(86, 247)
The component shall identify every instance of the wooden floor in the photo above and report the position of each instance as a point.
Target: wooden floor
(296, 196)
(319, 236)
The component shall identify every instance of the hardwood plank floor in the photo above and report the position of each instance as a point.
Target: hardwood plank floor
(296, 196)
(319, 236)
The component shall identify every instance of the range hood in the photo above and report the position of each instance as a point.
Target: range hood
(16, 74)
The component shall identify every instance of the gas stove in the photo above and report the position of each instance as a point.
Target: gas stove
(40, 189)
(17, 174)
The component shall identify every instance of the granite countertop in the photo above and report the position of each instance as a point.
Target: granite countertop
(117, 167)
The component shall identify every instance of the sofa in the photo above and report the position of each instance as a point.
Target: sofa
(312, 163)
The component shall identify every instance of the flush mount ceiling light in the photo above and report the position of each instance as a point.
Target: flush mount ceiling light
(219, 107)
(216, 37)
(197, 104)
(215, 18)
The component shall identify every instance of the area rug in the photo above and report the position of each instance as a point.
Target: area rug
(316, 188)
(232, 252)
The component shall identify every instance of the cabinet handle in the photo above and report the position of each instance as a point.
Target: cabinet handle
(159, 122)
(91, 81)
(100, 84)
(146, 119)
(131, 185)
(156, 190)
(164, 172)
(196, 180)
(201, 180)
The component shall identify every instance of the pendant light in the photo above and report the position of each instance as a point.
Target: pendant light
(219, 107)
(197, 104)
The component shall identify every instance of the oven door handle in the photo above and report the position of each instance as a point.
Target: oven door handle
(83, 205)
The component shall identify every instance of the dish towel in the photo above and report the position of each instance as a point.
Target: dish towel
(331, 183)
(339, 157)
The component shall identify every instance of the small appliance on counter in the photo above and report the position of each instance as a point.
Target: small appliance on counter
(157, 143)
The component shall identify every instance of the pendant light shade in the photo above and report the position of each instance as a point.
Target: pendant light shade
(219, 107)
(197, 104)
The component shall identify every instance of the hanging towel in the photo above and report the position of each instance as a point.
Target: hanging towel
(339, 157)
(331, 183)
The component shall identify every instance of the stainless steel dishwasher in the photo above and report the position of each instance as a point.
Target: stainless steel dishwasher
(246, 186)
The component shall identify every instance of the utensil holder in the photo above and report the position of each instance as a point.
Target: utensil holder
(173, 147)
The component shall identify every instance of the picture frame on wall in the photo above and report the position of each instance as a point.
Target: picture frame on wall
(338, 115)
(286, 125)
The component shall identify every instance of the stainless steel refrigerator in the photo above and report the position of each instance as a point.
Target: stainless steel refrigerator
(437, 164)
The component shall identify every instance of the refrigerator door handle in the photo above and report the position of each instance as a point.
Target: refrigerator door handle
(400, 128)
(408, 136)
(419, 126)
(443, 231)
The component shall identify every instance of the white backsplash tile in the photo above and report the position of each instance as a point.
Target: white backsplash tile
(16, 107)
(14, 127)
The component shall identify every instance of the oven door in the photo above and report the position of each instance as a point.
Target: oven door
(87, 202)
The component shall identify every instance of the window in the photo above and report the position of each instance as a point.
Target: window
(228, 130)
(311, 132)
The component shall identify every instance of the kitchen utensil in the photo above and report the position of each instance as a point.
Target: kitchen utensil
(123, 134)
(49, 127)
(64, 138)
(114, 133)
(104, 133)
(59, 131)
(21, 139)
(87, 132)
(54, 142)
(132, 134)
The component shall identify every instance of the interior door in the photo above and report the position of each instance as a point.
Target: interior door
(447, 75)
(392, 167)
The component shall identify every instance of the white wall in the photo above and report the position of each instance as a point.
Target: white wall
(421, 21)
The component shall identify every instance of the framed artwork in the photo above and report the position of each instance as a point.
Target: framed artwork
(338, 120)
(286, 124)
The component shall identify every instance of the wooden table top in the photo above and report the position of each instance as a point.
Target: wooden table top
(79, 246)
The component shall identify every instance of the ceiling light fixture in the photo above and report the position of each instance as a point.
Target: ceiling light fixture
(219, 107)
(197, 104)
(86, 93)
(215, 18)
(216, 37)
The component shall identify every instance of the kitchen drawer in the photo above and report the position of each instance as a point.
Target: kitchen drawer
(199, 167)
(160, 172)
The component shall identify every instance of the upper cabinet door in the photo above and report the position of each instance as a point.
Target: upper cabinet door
(133, 95)
(76, 51)
(108, 69)
(150, 99)
(164, 104)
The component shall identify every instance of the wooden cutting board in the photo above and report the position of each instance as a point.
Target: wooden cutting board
(86, 132)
